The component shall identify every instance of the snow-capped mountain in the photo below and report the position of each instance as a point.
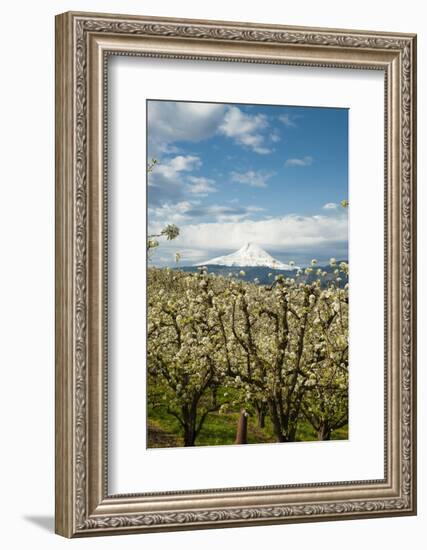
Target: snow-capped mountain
(250, 255)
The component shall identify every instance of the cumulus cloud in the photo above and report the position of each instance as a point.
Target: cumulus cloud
(223, 213)
(287, 237)
(170, 121)
(166, 213)
(330, 206)
(201, 186)
(167, 181)
(179, 164)
(305, 161)
(289, 232)
(287, 120)
(185, 212)
(251, 177)
(245, 129)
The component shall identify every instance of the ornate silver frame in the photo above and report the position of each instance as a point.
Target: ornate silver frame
(83, 42)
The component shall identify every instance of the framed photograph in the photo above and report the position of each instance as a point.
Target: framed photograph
(235, 274)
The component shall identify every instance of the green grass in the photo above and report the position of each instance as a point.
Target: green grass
(221, 429)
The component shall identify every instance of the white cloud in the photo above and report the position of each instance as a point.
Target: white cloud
(170, 121)
(305, 161)
(189, 211)
(167, 181)
(290, 234)
(245, 129)
(237, 123)
(251, 177)
(330, 206)
(201, 186)
(159, 216)
(287, 120)
(178, 164)
(275, 136)
(233, 214)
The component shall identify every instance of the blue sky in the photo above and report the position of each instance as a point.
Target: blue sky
(231, 173)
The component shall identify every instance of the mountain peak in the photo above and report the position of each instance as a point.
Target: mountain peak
(249, 255)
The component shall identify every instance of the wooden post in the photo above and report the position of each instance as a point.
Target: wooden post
(242, 428)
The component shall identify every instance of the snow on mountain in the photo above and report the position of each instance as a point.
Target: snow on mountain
(250, 255)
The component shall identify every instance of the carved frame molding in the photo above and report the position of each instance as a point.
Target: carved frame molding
(83, 43)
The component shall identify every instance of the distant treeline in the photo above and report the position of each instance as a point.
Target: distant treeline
(266, 275)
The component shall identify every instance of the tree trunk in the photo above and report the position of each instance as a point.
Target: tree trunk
(277, 426)
(242, 429)
(189, 436)
(324, 432)
(292, 427)
(292, 435)
(189, 418)
(261, 414)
